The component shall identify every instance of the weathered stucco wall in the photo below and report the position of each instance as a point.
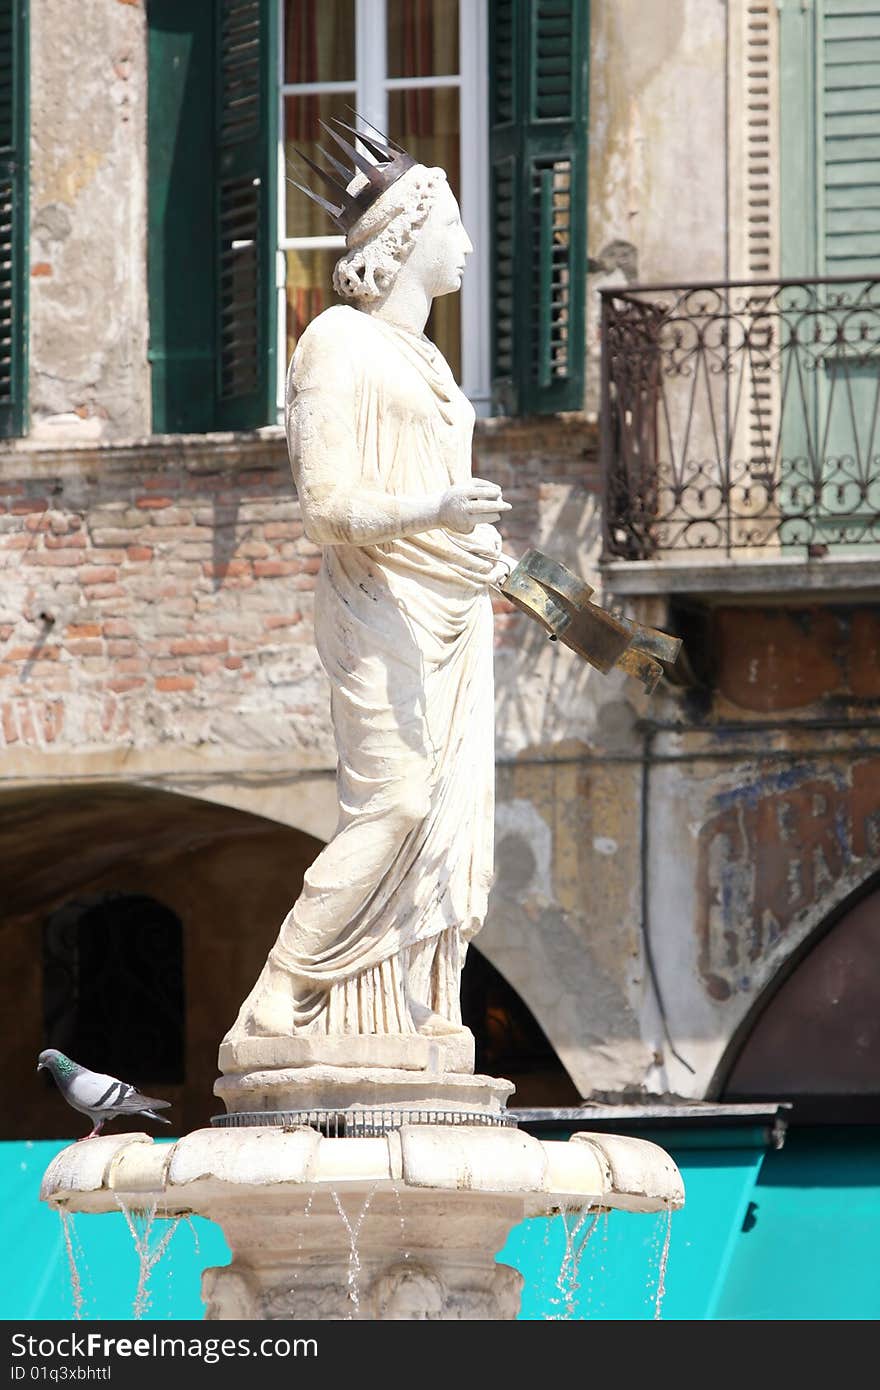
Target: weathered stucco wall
(657, 203)
(89, 375)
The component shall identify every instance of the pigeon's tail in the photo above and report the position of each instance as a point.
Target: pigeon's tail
(154, 1116)
(137, 1098)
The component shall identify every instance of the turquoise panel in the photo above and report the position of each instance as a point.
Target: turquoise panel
(811, 1214)
(810, 1247)
(617, 1277)
(35, 1282)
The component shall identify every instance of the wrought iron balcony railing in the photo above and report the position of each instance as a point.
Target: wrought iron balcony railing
(740, 417)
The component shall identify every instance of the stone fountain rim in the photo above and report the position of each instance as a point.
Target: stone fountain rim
(257, 1163)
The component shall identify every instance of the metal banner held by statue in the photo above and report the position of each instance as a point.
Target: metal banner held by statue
(560, 600)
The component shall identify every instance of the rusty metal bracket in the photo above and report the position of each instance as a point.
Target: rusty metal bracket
(561, 602)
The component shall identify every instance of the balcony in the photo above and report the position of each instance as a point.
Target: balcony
(740, 441)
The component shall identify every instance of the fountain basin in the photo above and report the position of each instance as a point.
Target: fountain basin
(405, 1225)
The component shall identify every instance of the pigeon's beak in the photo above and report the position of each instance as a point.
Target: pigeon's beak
(40, 1066)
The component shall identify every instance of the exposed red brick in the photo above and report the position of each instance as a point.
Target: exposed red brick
(275, 569)
(199, 646)
(116, 627)
(233, 663)
(10, 724)
(282, 620)
(121, 647)
(121, 684)
(53, 542)
(154, 503)
(139, 552)
(90, 647)
(282, 530)
(170, 683)
(97, 574)
(52, 718)
(231, 568)
(34, 653)
(83, 630)
(40, 269)
(54, 559)
(29, 504)
(102, 591)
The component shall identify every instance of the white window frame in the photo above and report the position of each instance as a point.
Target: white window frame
(369, 94)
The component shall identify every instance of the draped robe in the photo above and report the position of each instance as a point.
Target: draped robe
(377, 937)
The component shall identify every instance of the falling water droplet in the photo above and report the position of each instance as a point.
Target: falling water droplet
(395, 1188)
(664, 1260)
(354, 1262)
(69, 1233)
(578, 1227)
(139, 1221)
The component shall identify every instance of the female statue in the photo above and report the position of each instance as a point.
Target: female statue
(380, 445)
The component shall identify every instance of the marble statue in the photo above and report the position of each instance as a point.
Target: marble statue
(380, 445)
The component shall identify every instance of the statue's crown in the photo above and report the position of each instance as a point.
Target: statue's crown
(389, 163)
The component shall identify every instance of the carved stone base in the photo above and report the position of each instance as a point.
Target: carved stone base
(355, 1089)
(366, 1255)
(362, 1073)
(402, 1052)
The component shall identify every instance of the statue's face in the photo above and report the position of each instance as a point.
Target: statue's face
(441, 246)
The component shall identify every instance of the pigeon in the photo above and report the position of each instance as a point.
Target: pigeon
(95, 1094)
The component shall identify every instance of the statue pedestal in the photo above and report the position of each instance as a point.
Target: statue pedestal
(408, 1078)
(405, 1226)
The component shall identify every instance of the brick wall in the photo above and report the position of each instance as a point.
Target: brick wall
(163, 592)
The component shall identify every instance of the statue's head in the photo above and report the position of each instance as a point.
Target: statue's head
(415, 224)
(394, 213)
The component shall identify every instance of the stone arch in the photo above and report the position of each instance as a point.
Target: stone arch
(815, 1028)
(229, 876)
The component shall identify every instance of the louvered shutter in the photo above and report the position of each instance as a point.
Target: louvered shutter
(849, 67)
(212, 156)
(539, 70)
(13, 204)
(246, 90)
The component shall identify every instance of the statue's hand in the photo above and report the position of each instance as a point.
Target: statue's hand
(463, 507)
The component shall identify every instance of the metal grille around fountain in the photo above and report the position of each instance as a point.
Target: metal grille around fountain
(362, 1124)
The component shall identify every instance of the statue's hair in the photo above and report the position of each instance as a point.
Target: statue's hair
(380, 242)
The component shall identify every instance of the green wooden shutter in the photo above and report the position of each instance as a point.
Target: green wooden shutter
(849, 67)
(211, 247)
(13, 213)
(539, 66)
(245, 211)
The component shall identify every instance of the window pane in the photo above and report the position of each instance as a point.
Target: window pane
(422, 38)
(309, 289)
(426, 123)
(319, 41)
(302, 132)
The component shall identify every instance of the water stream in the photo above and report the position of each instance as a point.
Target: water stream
(75, 1260)
(661, 1272)
(354, 1262)
(579, 1227)
(140, 1222)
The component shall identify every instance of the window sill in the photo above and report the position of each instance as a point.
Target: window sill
(752, 580)
(262, 446)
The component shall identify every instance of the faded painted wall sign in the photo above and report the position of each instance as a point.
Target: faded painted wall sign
(773, 853)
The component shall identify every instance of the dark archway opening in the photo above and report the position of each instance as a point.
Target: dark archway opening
(509, 1040)
(113, 986)
(816, 1042)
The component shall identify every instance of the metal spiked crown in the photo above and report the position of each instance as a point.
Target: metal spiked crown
(391, 162)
